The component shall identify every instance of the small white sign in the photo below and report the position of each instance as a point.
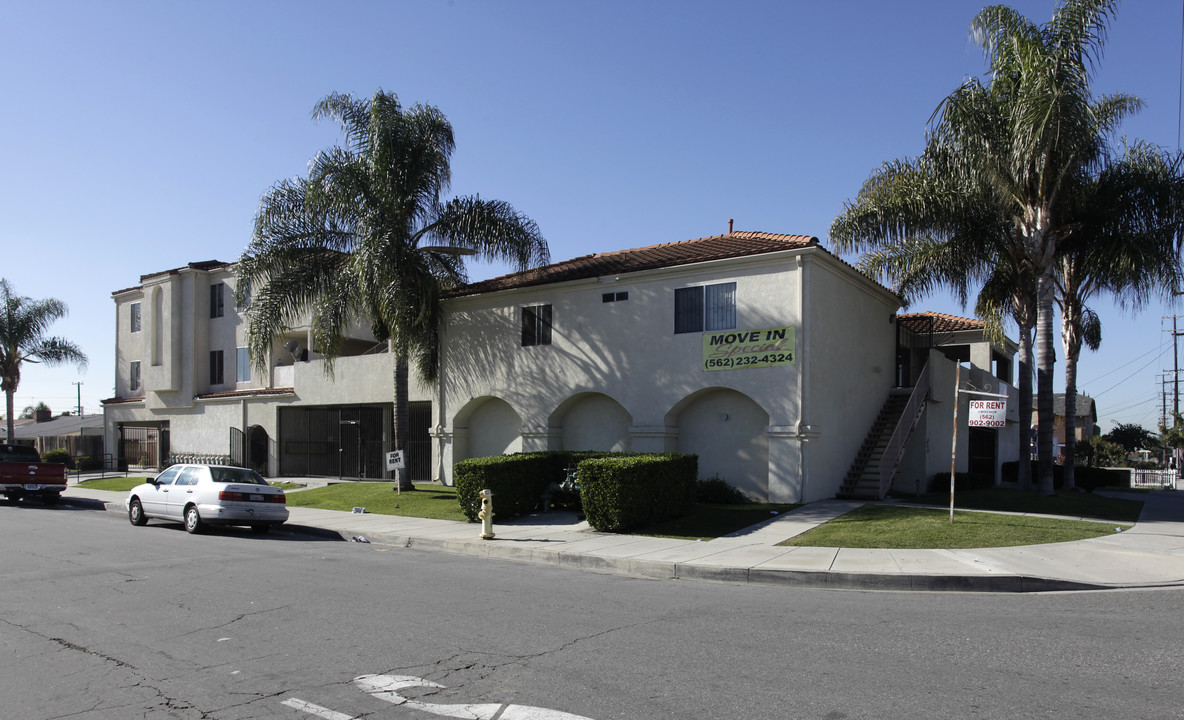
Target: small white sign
(394, 460)
(988, 413)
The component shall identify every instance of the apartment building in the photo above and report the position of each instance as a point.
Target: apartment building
(765, 355)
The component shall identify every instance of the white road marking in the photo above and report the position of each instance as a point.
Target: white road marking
(386, 687)
(317, 710)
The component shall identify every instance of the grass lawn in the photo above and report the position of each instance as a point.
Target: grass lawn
(711, 521)
(118, 484)
(426, 501)
(1072, 504)
(894, 526)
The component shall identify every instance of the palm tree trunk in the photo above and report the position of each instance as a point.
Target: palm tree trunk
(402, 419)
(1024, 384)
(1070, 421)
(1045, 356)
(8, 417)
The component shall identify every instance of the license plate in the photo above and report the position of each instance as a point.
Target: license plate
(256, 498)
(31, 486)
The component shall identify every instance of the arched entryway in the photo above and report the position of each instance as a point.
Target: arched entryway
(593, 421)
(729, 432)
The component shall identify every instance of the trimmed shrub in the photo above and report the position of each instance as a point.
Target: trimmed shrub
(716, 491)
(962, 482)
(517, 481)
(622, 492)
(88, 463)
(1091, 478)
(59, 455)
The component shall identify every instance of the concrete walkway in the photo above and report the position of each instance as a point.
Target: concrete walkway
(1149, 555)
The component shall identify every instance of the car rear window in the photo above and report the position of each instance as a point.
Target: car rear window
(236, 475)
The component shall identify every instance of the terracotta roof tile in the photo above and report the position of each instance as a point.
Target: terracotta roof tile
(686, 252)
(938, 322)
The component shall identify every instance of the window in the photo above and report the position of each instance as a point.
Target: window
(246, 285)
(135, 317)
(536, 325)
(614, 297)
(244, 365)
(705, 307)
(134, 375)
(216, 305)
(216, 377)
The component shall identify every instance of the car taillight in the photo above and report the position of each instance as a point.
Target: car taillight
(235, 496)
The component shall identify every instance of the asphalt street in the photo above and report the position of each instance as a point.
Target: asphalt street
(105, 620)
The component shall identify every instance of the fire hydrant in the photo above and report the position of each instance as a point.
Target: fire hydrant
(486, 515)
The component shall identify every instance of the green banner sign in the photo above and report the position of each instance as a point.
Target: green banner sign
(738, 349)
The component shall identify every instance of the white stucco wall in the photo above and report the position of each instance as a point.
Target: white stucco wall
(848, 355)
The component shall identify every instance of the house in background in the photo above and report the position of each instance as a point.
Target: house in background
(777, 363)
(79, 436)
(1086, 418)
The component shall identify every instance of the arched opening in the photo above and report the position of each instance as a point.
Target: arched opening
(258, 444)
(729, 432)
(487, 426)
(593, 421)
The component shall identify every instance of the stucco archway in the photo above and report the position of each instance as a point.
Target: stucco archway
(729, 432)
(487, 426)
(593, 421)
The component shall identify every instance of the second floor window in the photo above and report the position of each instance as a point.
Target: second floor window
(536, 325)
(705, 307)
(216, 376)
(135, 317)
(244, 365)
(216, 301)
(134, 376)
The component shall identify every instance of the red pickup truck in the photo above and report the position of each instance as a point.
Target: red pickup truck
(22, 474)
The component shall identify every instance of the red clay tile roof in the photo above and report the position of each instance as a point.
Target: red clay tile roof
(247, 393)
(717, 247)
(938, 322)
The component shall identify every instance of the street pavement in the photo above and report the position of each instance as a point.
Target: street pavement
(1151, 554)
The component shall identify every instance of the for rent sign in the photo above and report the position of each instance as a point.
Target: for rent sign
(988, 413)
(737, 349)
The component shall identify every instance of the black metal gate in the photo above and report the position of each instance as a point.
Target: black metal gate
(143, 446)
(345, 442)
(238, 448)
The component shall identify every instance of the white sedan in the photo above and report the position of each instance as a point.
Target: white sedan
(199, 495)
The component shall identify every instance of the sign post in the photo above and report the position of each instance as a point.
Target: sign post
(394, 461)
(983, 413)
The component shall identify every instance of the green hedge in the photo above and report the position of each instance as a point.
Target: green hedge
(517, 481)
(622, 492)
(962, 482)
(59, 455)
(1085, 478)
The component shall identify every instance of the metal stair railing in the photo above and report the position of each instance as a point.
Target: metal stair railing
(890, 460)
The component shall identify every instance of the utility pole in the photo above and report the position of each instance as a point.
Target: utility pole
(79, 386)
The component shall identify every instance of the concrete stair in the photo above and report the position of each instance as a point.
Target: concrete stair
(863, 478)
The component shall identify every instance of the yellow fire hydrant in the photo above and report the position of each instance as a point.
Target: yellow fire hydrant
(486, 514)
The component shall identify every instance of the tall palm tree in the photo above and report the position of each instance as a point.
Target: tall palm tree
(1019, 145)
(366, 238)
(23, 324)
(1126, 243)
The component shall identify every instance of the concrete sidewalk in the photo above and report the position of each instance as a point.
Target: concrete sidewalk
(1149, 555)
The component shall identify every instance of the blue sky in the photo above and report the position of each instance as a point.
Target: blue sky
(139, 136)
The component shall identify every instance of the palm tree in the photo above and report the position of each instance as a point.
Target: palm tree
(366, 238)
(23, 324)
(1126, 243)
(1019, 145)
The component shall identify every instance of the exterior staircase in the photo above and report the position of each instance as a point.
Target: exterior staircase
(876, 462)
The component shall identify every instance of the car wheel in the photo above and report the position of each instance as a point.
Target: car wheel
(192, 520)
(135, 513)
(260, 529)
(13, 498)
(51, 498)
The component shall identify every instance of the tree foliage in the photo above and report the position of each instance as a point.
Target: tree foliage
(367, 239)
(24, 324)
